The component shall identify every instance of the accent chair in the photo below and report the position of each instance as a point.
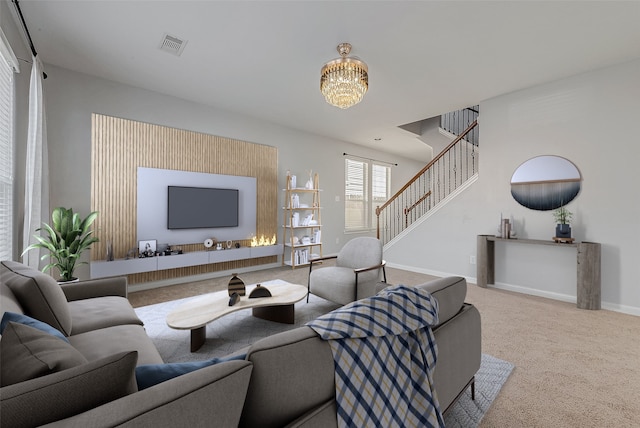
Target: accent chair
(356, 273)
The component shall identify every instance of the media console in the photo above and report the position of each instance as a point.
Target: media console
(102, 269)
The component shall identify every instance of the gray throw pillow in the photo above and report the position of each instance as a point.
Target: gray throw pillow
(39, 295)
(27, 353)
(67, 393)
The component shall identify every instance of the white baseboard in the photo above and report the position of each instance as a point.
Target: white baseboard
(429, 272)
(625, 309)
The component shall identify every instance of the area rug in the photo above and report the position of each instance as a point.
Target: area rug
(240, 329)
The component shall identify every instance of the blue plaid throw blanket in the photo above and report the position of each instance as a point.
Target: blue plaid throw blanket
(384, 353)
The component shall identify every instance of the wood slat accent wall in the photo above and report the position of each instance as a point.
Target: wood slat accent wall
(120, 146)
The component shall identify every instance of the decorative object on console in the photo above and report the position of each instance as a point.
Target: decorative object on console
(208, 243)
(344, 81)
(109, 257)
(131, 254)
(259, 291)
(563, 219)
(229, 244)
(506, 228)
(505, 224)
(236, 285)
(66, 240)
(147, 248)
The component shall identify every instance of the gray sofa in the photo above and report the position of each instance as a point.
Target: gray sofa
(286, 380)
(100, 324)
(292, 383)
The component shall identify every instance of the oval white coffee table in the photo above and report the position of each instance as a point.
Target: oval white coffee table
(195, 314)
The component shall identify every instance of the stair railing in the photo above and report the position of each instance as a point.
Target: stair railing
(438, 179)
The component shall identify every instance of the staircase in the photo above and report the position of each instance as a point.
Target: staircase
(448, 173)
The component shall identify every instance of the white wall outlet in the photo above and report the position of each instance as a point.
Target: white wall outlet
(337, 198)
(337, 240)
(472, 260)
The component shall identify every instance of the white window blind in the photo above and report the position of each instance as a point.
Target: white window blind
(367, 186)
(8, 64)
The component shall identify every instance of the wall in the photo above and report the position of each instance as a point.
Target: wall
(589, 119)
(72, 97)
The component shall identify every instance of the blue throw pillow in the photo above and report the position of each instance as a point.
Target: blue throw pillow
(31, 322)
(152, 374)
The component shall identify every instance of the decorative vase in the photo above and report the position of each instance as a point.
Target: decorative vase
(109, 251)
(236, 285)
(563, 231)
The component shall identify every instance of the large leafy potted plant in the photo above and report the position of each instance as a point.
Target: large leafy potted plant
(563, 222)
(66, 239)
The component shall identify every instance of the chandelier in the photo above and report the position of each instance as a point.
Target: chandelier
(344, 81)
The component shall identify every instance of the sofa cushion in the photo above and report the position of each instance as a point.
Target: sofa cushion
(450, 293)
(152, 374)
(31, 322)
(69, 392)
(39, 295)
(111, 340)
(101, 312)
(27, 353)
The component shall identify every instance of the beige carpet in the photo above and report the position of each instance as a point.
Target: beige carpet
(574, 368)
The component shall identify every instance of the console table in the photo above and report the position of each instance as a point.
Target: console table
(588, 264)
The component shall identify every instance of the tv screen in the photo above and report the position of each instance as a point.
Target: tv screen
(201, 207)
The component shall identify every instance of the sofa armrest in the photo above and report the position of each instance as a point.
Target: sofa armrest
(459, 354)
(211, 396)
(116, 286)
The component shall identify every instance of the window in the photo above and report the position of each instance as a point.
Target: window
(8, 64)
(367, 186)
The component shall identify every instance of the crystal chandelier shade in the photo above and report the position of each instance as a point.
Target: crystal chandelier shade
(344, 81)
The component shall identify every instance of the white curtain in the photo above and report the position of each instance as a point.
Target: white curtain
(36, 198)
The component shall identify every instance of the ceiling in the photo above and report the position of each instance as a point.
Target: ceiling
(263, 58)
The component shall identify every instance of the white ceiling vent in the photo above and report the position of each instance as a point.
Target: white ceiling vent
(172, 44)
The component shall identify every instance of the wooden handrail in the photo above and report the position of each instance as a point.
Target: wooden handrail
(422, 171)
(412, 207)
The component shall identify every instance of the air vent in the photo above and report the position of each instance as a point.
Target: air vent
(172, 44)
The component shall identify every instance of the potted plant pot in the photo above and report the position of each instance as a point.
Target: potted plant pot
(563, 231)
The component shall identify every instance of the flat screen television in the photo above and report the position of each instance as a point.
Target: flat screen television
(201, 207)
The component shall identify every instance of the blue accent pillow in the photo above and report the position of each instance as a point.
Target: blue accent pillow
(31, 322)
(152, 374)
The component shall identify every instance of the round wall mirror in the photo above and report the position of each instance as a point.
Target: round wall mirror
(545, 183)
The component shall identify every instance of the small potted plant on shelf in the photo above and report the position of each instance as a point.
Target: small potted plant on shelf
(563, 218)
(66, 240)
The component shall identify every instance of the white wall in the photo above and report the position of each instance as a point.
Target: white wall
(71, 98)
(591, 119)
